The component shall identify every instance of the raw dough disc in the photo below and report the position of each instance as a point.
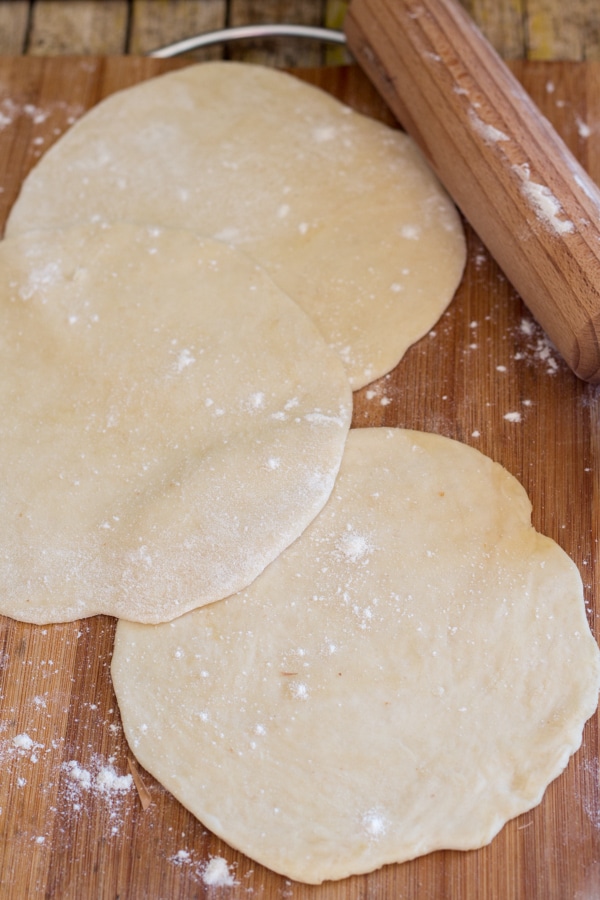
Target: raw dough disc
(341, 210)
(170, 421)
(410, 674)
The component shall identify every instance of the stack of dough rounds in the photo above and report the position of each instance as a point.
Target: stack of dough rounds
(194, 278)
(341, 210)
(407, 676)
(171, 422)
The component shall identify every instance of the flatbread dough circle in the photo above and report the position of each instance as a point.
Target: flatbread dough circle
(341, 210)
(407, 676)
(170, 422)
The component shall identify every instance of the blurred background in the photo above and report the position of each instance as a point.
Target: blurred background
(518, 29)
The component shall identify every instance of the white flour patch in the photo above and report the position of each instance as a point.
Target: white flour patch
(21, 748)
(40, 279)
(216, 873)
(26, 746)
(527, 326)
(374, 824)
(184, 359)
(583, 129)
(256, 401)
(299, 690)
(354, 546)
(487, 132)
(410, 232)
(324, 133)
(22, 742)
(319, 418)
(545, 204)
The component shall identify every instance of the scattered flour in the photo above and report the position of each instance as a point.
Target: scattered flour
(376, 393)
(21, 746)
(591, 771)
(74, 788)
(10, 112)
(102, 780)
(539, 348)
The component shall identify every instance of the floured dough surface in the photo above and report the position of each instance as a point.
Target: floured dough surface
(341, 210)
(410, 674)
(170, 422)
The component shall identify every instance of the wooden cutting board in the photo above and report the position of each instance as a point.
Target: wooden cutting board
(485, 375)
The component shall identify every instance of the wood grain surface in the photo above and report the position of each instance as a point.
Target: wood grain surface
(484, 360)
(518, 29)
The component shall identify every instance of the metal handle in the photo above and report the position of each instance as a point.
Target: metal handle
(224, 35)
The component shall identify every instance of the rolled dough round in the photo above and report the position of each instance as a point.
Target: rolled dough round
(410, 674)
(341, 210)
(170, 422)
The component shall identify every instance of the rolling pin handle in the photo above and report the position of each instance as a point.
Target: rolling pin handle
(513, 178)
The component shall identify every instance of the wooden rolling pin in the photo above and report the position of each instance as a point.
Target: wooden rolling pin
(511, 175)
